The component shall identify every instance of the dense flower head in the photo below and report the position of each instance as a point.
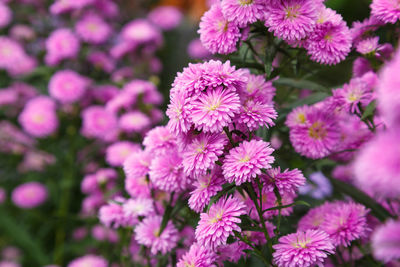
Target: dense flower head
(141, 31)
(112, 215)
(380, 175)
(67, 86)
(368, 45)
(206, 186)
(298, 116)
(88, 260)
(62, 6)
(61, 44)
(202, 153)
(303, 249)
(165, 17)
(360, 30)
(134, 121)
(317, 137)
(218, 34)
(330, 42)
(254, 115)
(314, 217)
(219, 222)
(387, 11)
(196, 50)
(291, 20)
(137, 186)
(147, 233)
(166, 172)
(138, 207)
(257, 89)
(29, 195)
(197, 256)
(138, 164)
(5, 15)
(243, 12)
(159, 140)
(101, 60)
(102, 178)
(98, 122)
(246, 161)
(93, 29)
(386, 241)
(287, 181)
(345, 222)
(13, 57)
(39, 117)
(117, 153)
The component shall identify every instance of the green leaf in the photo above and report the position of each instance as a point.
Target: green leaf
(311, 99)
(369, 110)
(302, 84)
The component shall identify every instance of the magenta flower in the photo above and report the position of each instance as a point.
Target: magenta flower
(219, 222)
(387, 11)
(386, 241)
(202, 153)
(98, 122)
(243, 12)
(112, 215)
(134, 121)
(29, 195)
(291, 20)
(159, 140)
(147, 233)
(178, 112)
(88, 260)
(206, 187)
(196, 50)
(67, 86)
(315, 217)
(137, 186)
(298, 116)
(215, 109)
(254, 115)
(217, 34)
(197, 256)
(5, 15)
(286, 181)
(258, 89)
(246, 161)
(318, 137)
(93, 29)
(166, 17)
(61, 44)
(117, 153)
(368, 46)
(138, 207)
(303, 249)
(138, 164)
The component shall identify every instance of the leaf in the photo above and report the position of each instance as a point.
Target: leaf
(302, 84)
(369, 110)
(297, 203)
(312, 99)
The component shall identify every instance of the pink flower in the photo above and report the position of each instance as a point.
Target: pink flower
(206, 187)
(29, 195)
(141, 31)
(254, 115)
(315, 217)
(61, 44)
(298, 116)
(137, 186)
(93, 29)
(134, 121)
(159, 140)
(202, 153)
(215, 109)
(219, 222)
(165, 17)
(242, 12)
(101, 60)
(303, 249)
(117, 153)
(112, 216)
(138, 207)
(5, 15)
(98, 122)
(147, 233)
(138, 164)
(258, 89)
(246, 161)
(196, 50)
(291, 20)
(197, 256)
(286, 181)
(386, 241)
(217, 34)
(39, 118)
(67, 86)
(387, 11)
(88, 260)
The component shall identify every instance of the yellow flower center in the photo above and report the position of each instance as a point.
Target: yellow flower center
(353, 96)
(217, 217)
(245, 159)
(245, 2)
(317, 130)
(92, 27)
(38, 118)
(222, 25)
(292, 12)
(156, 232)
(201, 148)
(301, 118)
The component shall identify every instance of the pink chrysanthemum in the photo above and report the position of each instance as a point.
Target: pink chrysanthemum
(61, 44)
(197, 256)
(330, 42)
(101, 60)
(387, 11)
(291, 20)
(245, 162)
(138, 164)
(98, 122)
(298, 116)
(67, 86)
(215, 109)
(206, 187)
(345, 222)
(243, 12)
(159, 140)
(196, 50)
(148, 233)
(166, 172)
(218, 224)
(39, 117)
(258, 89)
(29, 195)
(303, 249)
(112, 216)
(5, 15)
(165, 17)
(137, 187)
(117, 153)
(386, 241)
(138, 207)
(217, 34)
(318, 137)
(134, 121)
(368, 46)
(377, 168)
(141, 31)
(255, 115)
(314, 217)
(93, 29)
(178, 112)
(88, 260)
(361, 66)
(286, 181)
(360, 30)
(202, 153)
